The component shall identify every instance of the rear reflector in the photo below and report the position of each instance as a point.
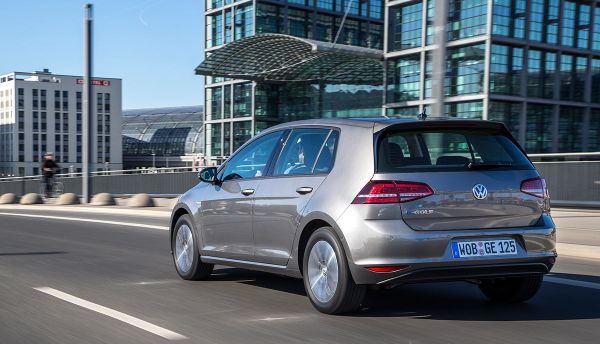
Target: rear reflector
(387, 191)
(392, 268)
(535, 187)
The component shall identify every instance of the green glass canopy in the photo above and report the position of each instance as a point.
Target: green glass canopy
(276, 58)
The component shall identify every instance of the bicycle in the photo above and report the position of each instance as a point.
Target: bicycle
(56, 190)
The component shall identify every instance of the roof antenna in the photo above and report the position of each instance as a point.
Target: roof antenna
(423, 115)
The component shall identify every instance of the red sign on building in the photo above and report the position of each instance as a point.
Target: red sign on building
(95, 82)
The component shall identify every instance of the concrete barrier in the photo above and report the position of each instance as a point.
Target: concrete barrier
(68, 199)
(9, 198)
(141, 200)
(31, 198)
(103, 199)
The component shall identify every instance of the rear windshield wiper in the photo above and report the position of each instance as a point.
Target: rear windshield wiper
(483, 165)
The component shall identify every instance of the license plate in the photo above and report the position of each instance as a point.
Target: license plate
(483, 248)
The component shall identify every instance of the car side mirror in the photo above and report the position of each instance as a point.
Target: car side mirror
(208, 175)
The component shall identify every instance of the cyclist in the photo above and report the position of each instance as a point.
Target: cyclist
(49, 168)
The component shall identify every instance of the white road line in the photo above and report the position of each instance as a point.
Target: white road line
(130, 224)
(128, 319)
(571, 282)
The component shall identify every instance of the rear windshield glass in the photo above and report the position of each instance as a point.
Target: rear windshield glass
(448, 150)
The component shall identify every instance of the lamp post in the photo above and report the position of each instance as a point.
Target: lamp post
(153, 159)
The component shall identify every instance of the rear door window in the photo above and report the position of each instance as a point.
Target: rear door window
(306, 150)
(448, 150)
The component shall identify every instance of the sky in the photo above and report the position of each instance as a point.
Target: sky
(153, 45)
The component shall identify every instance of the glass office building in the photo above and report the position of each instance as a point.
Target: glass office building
(162, 137)
(534, 65)
(245, 103)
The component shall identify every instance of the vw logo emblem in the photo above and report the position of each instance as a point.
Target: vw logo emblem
(479, 191)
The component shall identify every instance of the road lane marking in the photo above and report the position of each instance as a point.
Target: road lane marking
(86, 209)
(120, 223)
(128, 319)
(572, 282)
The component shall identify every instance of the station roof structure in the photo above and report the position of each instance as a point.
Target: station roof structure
(276, 58)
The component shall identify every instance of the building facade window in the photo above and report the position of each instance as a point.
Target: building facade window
(409, 111)
(508, 113)
(242, 100)
(466, 18)
(595, 77)
(593, 132)
(508, 18)
(464, 71)
(403, 78)
(506, 68)
(541, 71)
(242, 132)
(406, 22)
(573, 71)
(570, 129)
(538, 134)
(471, 110)
(243, 22)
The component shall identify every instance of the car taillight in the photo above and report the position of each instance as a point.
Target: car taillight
(386, 191)
(387, 269)
(535, 187)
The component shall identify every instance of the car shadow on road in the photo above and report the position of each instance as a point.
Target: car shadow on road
(464, 301)
(260, 279)
(450, 300)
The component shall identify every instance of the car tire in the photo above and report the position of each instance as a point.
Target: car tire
(511, 290)
(327, 278)
(184, 245)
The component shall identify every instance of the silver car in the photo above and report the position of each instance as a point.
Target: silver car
(355, 204)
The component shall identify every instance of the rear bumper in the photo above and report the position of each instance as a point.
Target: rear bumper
(428, 255)
(454, 273)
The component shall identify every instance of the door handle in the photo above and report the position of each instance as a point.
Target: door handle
(304, 190)
(247, 192)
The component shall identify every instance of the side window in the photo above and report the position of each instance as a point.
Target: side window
(326, 158)
(300, 152)
(252, 161)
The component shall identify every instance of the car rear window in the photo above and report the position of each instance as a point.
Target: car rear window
(448, 150)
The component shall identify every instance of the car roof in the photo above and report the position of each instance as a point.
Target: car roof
(380, 122)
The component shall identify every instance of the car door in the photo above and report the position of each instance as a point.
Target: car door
(302, 165)
(226, 211)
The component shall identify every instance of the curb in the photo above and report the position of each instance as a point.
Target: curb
(578, 250)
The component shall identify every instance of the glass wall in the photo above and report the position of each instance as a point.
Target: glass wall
(300, 22)
(506, 68)
(570, 129)
(572, 77)
(507, 113)
(595, 77)
(466, 18)
(406, 26)
(409, 111)
(464, 70)
(242, 132)
(538, 134)
(541, 72)
(470, 110)
(594, 131)
(228, 24)
(283, 103)
(508, 18)
(403, 76)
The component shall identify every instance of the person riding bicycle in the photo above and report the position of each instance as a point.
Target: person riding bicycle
(49, 168)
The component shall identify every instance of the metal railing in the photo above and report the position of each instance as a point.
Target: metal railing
(571, 183)
(149, 170)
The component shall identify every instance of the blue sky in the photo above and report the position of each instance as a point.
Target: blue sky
(153, 45)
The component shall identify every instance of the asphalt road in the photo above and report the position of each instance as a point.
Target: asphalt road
(94, 269)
